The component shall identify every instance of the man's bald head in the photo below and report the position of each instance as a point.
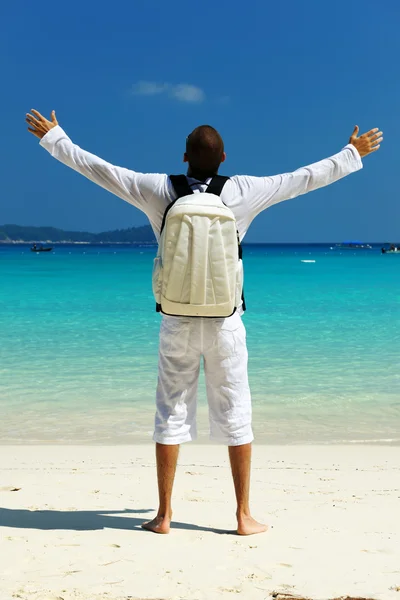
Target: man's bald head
(204, 151)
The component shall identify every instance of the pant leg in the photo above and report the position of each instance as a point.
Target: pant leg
(178, 374)
(228, 391)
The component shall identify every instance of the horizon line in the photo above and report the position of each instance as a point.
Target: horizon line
(155, 243)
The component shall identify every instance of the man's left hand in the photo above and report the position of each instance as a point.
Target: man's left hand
(367, 142)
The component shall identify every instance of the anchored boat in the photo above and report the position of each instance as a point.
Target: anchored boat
(393, 249)
(40, 248)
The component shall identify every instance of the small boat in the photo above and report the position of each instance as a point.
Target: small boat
(354, 246)
(393, 249)
(40, 248)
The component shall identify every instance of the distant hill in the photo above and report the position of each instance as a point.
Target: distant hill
(20, 233)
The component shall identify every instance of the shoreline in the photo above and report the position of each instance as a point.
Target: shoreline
(110, 426)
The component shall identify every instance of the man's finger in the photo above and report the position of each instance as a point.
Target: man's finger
(371, 131)
(378, 141)
(32, 118)
(375, 135)
(53, 117)
(37, 114)
(355, 132)
(375, 149)
(34, 132)
(33, 126)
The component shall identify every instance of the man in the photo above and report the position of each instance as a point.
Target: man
(184, 340)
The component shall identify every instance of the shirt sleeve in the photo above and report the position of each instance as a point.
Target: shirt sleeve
(263, 192)
(139, 189)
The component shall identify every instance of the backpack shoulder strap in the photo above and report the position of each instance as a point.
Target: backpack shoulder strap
(180, 185)
(216, 184)
(182, 188)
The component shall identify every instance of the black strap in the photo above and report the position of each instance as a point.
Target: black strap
(182, 188)
(181, 185)
(216, 184)
(240, 247)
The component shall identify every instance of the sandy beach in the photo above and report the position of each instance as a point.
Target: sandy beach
(70, 524)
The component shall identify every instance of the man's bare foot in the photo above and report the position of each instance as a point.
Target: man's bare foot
(158, 525)
(249, 526)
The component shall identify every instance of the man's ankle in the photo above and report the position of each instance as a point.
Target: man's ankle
(243, 512)
(165, 514)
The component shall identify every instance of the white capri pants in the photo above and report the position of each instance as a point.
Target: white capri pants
(222, 343)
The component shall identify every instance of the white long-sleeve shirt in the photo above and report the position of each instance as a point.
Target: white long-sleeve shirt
(246, 196)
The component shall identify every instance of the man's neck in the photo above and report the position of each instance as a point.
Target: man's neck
(199, 175)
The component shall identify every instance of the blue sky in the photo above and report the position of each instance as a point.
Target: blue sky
(284, 82)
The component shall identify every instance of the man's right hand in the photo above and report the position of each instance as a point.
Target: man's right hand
(38, 125)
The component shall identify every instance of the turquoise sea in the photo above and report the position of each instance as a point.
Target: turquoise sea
(79, 333)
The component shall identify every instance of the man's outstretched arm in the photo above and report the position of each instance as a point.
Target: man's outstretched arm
(136, 188)
(263, 192)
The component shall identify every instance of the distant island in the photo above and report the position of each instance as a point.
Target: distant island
(14, 234)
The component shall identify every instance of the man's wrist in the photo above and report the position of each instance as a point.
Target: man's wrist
(51, 135)
(354, 149)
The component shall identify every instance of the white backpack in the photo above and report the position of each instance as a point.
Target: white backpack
(198, 269)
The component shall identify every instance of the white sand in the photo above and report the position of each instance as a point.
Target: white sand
(72, 530)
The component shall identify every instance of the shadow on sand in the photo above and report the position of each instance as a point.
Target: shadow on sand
(86, 520)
